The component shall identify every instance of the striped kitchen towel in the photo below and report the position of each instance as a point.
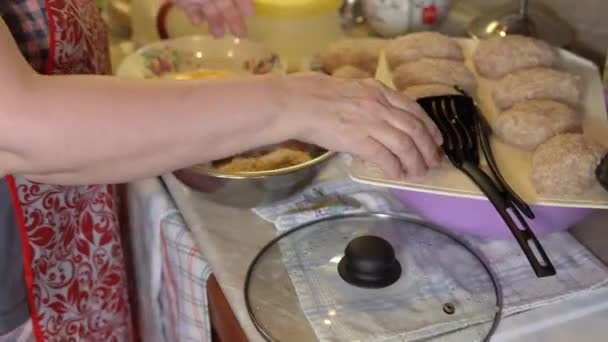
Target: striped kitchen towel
(184, 290)
(171, 273)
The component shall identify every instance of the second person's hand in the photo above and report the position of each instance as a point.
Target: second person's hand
(219, 14)
(363, 118)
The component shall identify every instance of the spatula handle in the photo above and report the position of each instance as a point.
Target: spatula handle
(525, 237)
(484, 131)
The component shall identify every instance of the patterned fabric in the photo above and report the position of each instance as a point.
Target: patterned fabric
(171, 272)
(74, 261)
(80, 44)
(27, 20)
(184, 275)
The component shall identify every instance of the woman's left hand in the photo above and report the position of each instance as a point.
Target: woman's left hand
(219, 14)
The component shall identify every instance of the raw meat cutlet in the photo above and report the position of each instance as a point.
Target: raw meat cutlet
(351, 72)
(498, 56)
(361, 53)
(440, 71)
(530, 123)
(537, 84)
(428, 90)
(415, 46)
(565, 165)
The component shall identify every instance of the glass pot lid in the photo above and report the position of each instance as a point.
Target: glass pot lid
(371, 277)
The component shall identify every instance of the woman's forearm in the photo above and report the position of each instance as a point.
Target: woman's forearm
(84, 129)
(94, 129)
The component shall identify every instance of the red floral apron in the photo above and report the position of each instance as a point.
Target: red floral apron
(74, 263)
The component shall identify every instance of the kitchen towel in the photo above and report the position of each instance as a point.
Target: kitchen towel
(171, 273)
(352, 314)
(184, 274)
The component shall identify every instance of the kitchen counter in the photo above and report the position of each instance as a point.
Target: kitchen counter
(230, 238)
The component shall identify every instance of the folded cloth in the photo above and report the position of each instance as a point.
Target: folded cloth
(171, 272)
(339, 312)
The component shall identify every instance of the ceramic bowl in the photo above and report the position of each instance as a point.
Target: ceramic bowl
(167, 57)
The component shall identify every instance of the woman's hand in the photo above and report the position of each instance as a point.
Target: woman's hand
(363, 118)
(159, 127)
(219, 14)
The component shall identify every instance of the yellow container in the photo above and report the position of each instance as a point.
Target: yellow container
(296, 29)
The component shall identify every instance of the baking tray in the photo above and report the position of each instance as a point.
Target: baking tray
(514, 163)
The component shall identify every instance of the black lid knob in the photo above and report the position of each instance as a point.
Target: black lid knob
(369, 262)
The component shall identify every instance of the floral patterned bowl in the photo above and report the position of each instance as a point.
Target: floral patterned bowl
(185, 54)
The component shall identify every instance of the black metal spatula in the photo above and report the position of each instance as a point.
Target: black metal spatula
(464, 129)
